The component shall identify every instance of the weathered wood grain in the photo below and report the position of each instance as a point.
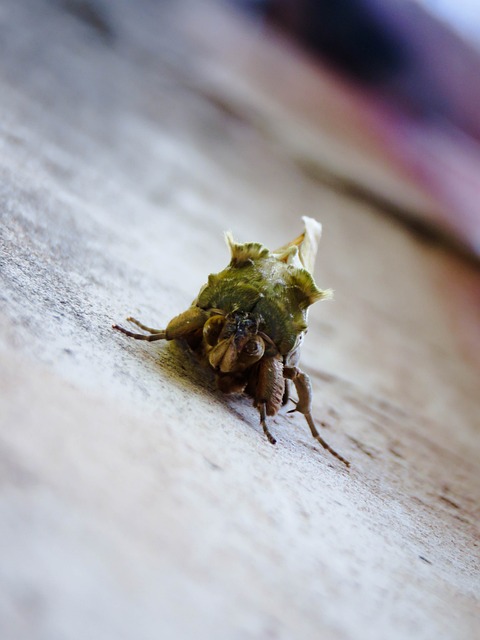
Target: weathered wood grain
(135, 500)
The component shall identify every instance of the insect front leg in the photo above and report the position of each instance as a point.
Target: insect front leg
(267, 388)
(263, 421)
(180, 326)
(287, 392)
(158, 335)
(304, 405)
(144, 327)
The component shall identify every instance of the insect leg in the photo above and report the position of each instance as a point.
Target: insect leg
(144, 327)
(186, 323)
(286, 393)
(160, 335)
(304, 405)
(263, 422)
(325, 445)
(179, 327)
(267, 385)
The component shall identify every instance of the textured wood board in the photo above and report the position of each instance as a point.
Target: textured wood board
(136, 501)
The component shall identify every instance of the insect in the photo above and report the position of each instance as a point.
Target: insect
(248, 323)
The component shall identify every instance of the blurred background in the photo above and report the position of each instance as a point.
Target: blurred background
(418, 61)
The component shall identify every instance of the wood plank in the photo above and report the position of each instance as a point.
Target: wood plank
(139, 502)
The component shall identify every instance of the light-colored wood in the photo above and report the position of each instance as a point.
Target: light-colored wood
(138, 502)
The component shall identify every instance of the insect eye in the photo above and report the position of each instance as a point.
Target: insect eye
(255, 347)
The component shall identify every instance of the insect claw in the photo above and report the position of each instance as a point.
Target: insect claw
(139, 336)
(144, 327)
(321, 441)
(263, 422)
(271, 439)
(118, 328)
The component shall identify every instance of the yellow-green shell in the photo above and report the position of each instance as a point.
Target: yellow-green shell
(274, 286)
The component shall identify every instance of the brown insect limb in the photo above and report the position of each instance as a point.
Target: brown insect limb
(144, 327)
(267, 387)
(186, 323)
(319, 439)
(180, 326)
(212, 329)
(263, 422)
(141, 336)
(304, 391)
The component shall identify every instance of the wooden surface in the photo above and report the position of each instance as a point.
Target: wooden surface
(138, 502)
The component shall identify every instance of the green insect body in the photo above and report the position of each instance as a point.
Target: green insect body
(248, 323)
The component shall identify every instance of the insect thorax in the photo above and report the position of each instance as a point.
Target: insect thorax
(268, 292)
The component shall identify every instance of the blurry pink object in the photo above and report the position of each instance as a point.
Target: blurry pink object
(446, 162)
(415, 81)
